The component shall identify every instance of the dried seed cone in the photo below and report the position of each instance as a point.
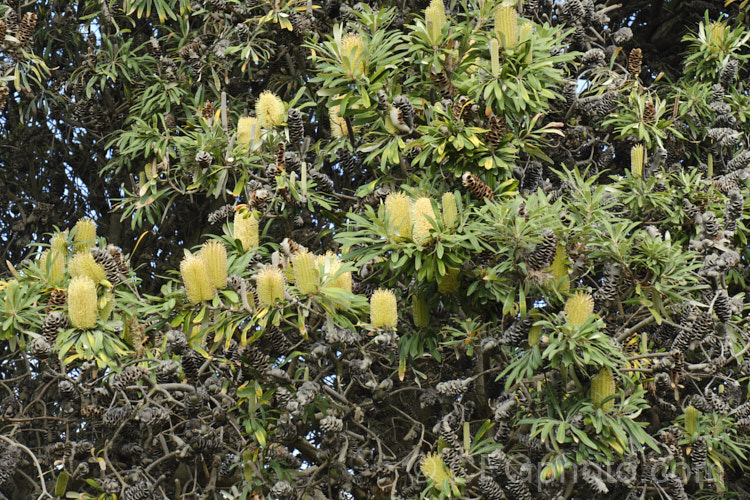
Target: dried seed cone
(496, 130)
(476, 187)
(698, 454)
(294, 124)
(4, 93)
(420, 311)
(246, 229)
(421, 215)
(450, 282)
(637, 160)
(398, 211)
(269, 109)
(506, 26)
(82, 303)
(85, 234)
(215, 254)
(450, 209)
(635, 59)
(544, 252)
(452, 388)
(383, 309)
(108, 263)
(306, 274)
(579, 307)
(54, 321)
(602, 387)
(53, 263)
(269, 285)
(490, 489)
(649, 112)
(84, 264)
(248, 131)
(195, 276)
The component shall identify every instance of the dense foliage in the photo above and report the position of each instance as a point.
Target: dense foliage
(294, 250)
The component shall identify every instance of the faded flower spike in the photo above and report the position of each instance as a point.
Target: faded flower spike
(383, 309)
(450, 283)
(85, 234)
(246, 229)
(248, 131)
(270, 110)
(579, 307)
(198, 285)
(82, 303)
(269, 285)
(215, 254)
(83, 264)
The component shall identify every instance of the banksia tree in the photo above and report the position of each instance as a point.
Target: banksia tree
(82, 300)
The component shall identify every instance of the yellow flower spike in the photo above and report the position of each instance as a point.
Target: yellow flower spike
(525, 34)
(637, 160)
(198, 285)
(269, 285)
(306, 274)
(450, 209)
(434, 468)
(398, 208)
(506, 26)
(83, 264)
(692, 415)
(422, 213)
(420, 311)
(269, 109)
(85, 234)
(52, 262)
(450, 283)
(338, 124)
(383, 309)
(495, 56)
(82, 303)
(434, 16)
(602, 387)
(579, 307)
(352, 51)
(535, 335)
(246, 229)
(215, 254)
(59, 243)
(559, 268)
(248, 131)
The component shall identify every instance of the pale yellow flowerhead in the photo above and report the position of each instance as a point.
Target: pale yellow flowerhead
(434, 16)
(198, 285)
(269, 109)
(383, 309)
(59, 242)
(53, 263)
(506, 25)
(215, 254)
(450, 209)
(434, 468)
(338, 124)
(398, 209)
(421, 215)
(602, 387)
(352, 51)
(579, 307)
(85, 234)
(83, 264)
(248, 131)
(82, 302)
(246, 229)
(306, 274)
(269, 285)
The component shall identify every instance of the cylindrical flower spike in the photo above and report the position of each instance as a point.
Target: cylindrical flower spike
(83, 264)
(559, 268)
(637, 160)
(248, 131)
(215, 254)
(450, 283)
(59, 243)
(692, 415)
(269, 109)
(434, 16)
(306, 274)
(422, 213)
(398, 210)
(352, 52)
(420, 311)
(246, 229)
(602, 387)
(53, 263)
(434, 467)
(82, 302)
(338, 124)
(579, 307)
(85, 234)
(269, 285)
(450, 209)
(506, 26)
(383, 309)
(198, 285)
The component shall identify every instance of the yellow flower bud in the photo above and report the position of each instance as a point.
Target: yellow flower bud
(83, 264)
(422, 213)
(248, 131)
(85, 234)
(215, 254)
(338, 124)
(450, 209)
(450, 282)
(306, 274)
(506, 26)
(579, 307)
(434, 16)
(383, 312)
(434, 468)
(269, 285)
(559, 268)
(59, 243)
(246, 229)
(352, 52)
(52, 263)
(692, 415)
(269, 109)
(420, 311)
(398, 210)
(637, 160)
(82, 302)
(198, 285)
(602, 387)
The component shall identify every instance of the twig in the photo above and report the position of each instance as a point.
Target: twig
(45, 493)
